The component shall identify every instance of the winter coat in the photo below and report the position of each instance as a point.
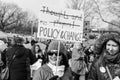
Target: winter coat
(45, 73)
(20, 66)
(105, 64)
(98, 70)
(78, 64)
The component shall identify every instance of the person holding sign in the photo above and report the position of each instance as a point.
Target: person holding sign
(56, 65)
(107, 66)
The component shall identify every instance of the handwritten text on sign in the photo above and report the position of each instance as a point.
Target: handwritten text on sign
(54, 33)
(61, 24)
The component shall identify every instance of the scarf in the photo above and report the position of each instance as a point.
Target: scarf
(108, 58)
(57, 70)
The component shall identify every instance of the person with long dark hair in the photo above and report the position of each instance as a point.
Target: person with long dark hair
(107, 65)
(38, 52)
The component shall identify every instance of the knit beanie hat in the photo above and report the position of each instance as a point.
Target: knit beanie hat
(54, 46)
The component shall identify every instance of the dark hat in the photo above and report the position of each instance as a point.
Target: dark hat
(54, 46)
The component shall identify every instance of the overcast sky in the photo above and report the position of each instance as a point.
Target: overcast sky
(34, 5)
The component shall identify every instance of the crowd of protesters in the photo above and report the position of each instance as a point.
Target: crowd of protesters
(98, 61)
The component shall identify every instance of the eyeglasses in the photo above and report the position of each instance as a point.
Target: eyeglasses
(51, 53)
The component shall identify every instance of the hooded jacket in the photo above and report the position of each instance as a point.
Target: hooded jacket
(46, 73)
(105, 64)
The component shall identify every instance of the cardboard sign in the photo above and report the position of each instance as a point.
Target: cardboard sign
(61, 24)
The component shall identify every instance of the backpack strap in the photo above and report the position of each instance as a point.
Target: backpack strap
(108, 71)
(11, 59)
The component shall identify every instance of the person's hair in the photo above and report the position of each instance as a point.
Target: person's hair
(39, 50)
(103, 48)
(104, 45)
(18, 40)
(33, 42)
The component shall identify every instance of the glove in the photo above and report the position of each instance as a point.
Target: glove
(59, 72)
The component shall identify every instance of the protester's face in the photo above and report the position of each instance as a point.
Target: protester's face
(112, 47)
(36, 48)
(52, 56)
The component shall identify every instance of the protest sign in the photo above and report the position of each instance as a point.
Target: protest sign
(61, 24)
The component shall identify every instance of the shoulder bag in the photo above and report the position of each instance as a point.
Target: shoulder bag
(5, 72)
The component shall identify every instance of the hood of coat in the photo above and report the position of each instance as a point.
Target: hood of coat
(100, 43)
(56, 45)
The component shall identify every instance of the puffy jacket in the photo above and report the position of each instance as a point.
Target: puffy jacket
(20, 66)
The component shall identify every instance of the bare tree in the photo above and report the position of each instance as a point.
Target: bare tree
(88, 7)
(10, 14)
(112, 9)
(92, 7)
(113, 27)
(74, 4)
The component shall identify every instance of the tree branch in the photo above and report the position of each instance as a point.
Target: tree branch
(11, 22)
(11, 15)
(102, 17)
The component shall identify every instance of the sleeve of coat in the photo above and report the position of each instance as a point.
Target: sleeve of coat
(3, 57)
(32, 57)
(38, 75)
(75, 54)
(93, 73)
